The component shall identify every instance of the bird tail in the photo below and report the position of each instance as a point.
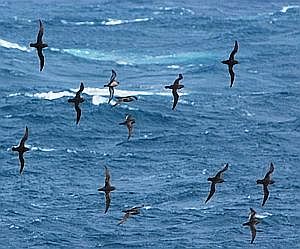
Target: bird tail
(14, 148)
(33, 45)
(169, 87)
(123, 123)
(246, 224)
(259, 182)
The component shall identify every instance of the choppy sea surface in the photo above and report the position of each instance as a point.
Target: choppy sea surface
(165, 165)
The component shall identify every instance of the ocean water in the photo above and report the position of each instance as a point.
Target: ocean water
(165, 165)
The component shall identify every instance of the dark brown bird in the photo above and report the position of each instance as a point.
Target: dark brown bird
(107, 189)
(22, 149)
(124, 100)
(39, 45)
(77, 100)
(130, 212)
(231, 62)
(218, 178)
(251, 223)
(111, 85)
(176, 85)
(265, 182)
(129, 121)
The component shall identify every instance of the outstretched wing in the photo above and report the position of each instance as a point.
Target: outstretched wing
(107, 201)
(253, 232)
(212, 191)
(271, 169)
(266, 194)
(41, 33)
(125, 217)
(22, 162)
(113, 76)
(24, 138)
(175, 97)
(78, 112)
(130, 128)
(107, 176)
(219, 174)
(230, 69)
(41, 57)
(111, 93)
(235, 49)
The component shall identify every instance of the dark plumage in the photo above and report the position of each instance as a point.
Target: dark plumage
(77, 100)
(176, 85)
(218, 178)
(265, 182)
(251, 223)
(39, 45)
(124, 99)
(22, 149)
(129, 121)
(107, 189)
(231, 62)
(112, 84)
(130, 212)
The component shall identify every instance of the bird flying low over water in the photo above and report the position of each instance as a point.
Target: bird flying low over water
(77, 100)
(218, 178)
(176, 85)
(124, 100)
(39, 45)
(112, 84)
(251, 223)
(22, 149)
(265, 182)
(231, 62)
(130, 212)
(107, 189)
(129, 121)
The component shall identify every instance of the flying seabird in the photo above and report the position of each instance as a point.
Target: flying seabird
(130, 212)
(22, 149)
(265, 182)
(231, 62)
(174, 88)
(251, 223)
(218, 178)
(39, 45)
(129, 121)
(77, 100)
(107, 189)
(124, 99)
(112, 83)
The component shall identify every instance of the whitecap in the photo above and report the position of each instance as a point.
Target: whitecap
(147, 207)
(7, 44)
(52, 95)
(286, 8)
(97, 100)
(41, 149)
(14, 94)
(71, 151)
(112, 22)
(263, 215)
(173, 66)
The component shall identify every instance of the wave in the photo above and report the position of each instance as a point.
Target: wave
(7, 44)
(137, 59)
(286, 8)
(41, 149)
(82, 23)
(113, 22)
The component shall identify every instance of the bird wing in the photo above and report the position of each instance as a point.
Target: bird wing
(111, 93)
(235, 49)
(41, 32)
(219, 174)
(271, 169)
(22, 162)
(212, 191)
(78, 111)
(113, 76)
(107, 177)
(130, 128)
(266, 194)
(230, 69)
(41, 57)
(81, 88)
(175, 97)
(253, 232)
(107, 201)
(125, 217)
(24, 138)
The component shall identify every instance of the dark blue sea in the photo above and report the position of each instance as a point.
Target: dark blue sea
(166, 163)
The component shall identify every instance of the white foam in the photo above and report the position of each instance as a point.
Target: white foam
(112, 22)
(7, 44)
(78, 23)
(41, 149)
(173, 66)
(14, 94)
(263, 215)
(52, 95)
(97, 100)
(286, 8)
(147, 207)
